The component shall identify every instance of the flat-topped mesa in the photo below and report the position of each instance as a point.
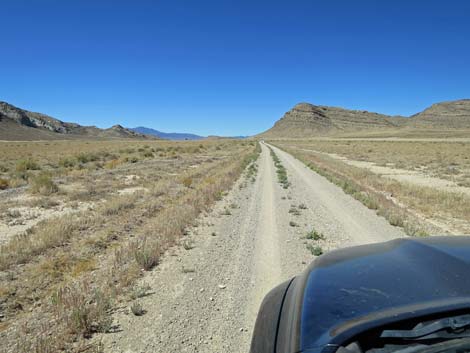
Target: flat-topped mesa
(307, 120)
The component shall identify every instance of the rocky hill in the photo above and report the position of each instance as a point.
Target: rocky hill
(20, 124)
(450, 115)
(308, 120)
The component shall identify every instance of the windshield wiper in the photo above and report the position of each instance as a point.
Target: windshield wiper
(433, 329)
(455, 345)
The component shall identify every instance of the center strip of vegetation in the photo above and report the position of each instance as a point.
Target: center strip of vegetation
(280, 170)
(375, 199)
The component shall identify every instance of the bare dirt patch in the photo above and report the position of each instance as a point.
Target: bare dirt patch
(406, 182)
(88, 261)
(206, 293)
(416, 177)
(20, 219)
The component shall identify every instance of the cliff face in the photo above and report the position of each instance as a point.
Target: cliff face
(305, 120)
(451, 115)
(34, 120)
(20, 124)
(308, 120)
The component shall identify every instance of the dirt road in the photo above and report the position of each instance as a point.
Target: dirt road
(205, 298)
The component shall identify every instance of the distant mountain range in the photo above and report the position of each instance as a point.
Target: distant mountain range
(166, 135)
(23, 125)
(20, 124)
(308, 120)
(179, 136)
(302, 121)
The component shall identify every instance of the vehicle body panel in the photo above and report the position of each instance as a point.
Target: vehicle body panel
(349, 291)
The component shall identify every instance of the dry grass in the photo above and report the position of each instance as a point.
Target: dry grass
(444, 159)
(119, 204)
(88, 261)
(45, 236)
(403, 133)
(418, 209)
(24, 165)
(146, 253)
(187, 181)
(81, 313)
(4, 184)
(21, 159)
(43, 184)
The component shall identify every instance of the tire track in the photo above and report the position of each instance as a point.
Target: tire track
(343, 217)
(206, 299)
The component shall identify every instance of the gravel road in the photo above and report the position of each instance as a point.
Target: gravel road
(205, 299)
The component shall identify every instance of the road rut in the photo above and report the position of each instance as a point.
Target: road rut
(206, 299)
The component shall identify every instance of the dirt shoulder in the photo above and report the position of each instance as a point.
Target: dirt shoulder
(403, 175)
(205, 298)
(342, 219)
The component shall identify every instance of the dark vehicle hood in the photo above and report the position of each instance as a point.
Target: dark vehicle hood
(352, 290)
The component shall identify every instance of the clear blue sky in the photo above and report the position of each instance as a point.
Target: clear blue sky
(229, 67)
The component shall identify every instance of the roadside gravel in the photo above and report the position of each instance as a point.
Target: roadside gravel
(205, 299)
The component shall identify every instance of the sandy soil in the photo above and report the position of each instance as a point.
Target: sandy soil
(409, 139)
(205, 299)
(22, 218)
(403, 175)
